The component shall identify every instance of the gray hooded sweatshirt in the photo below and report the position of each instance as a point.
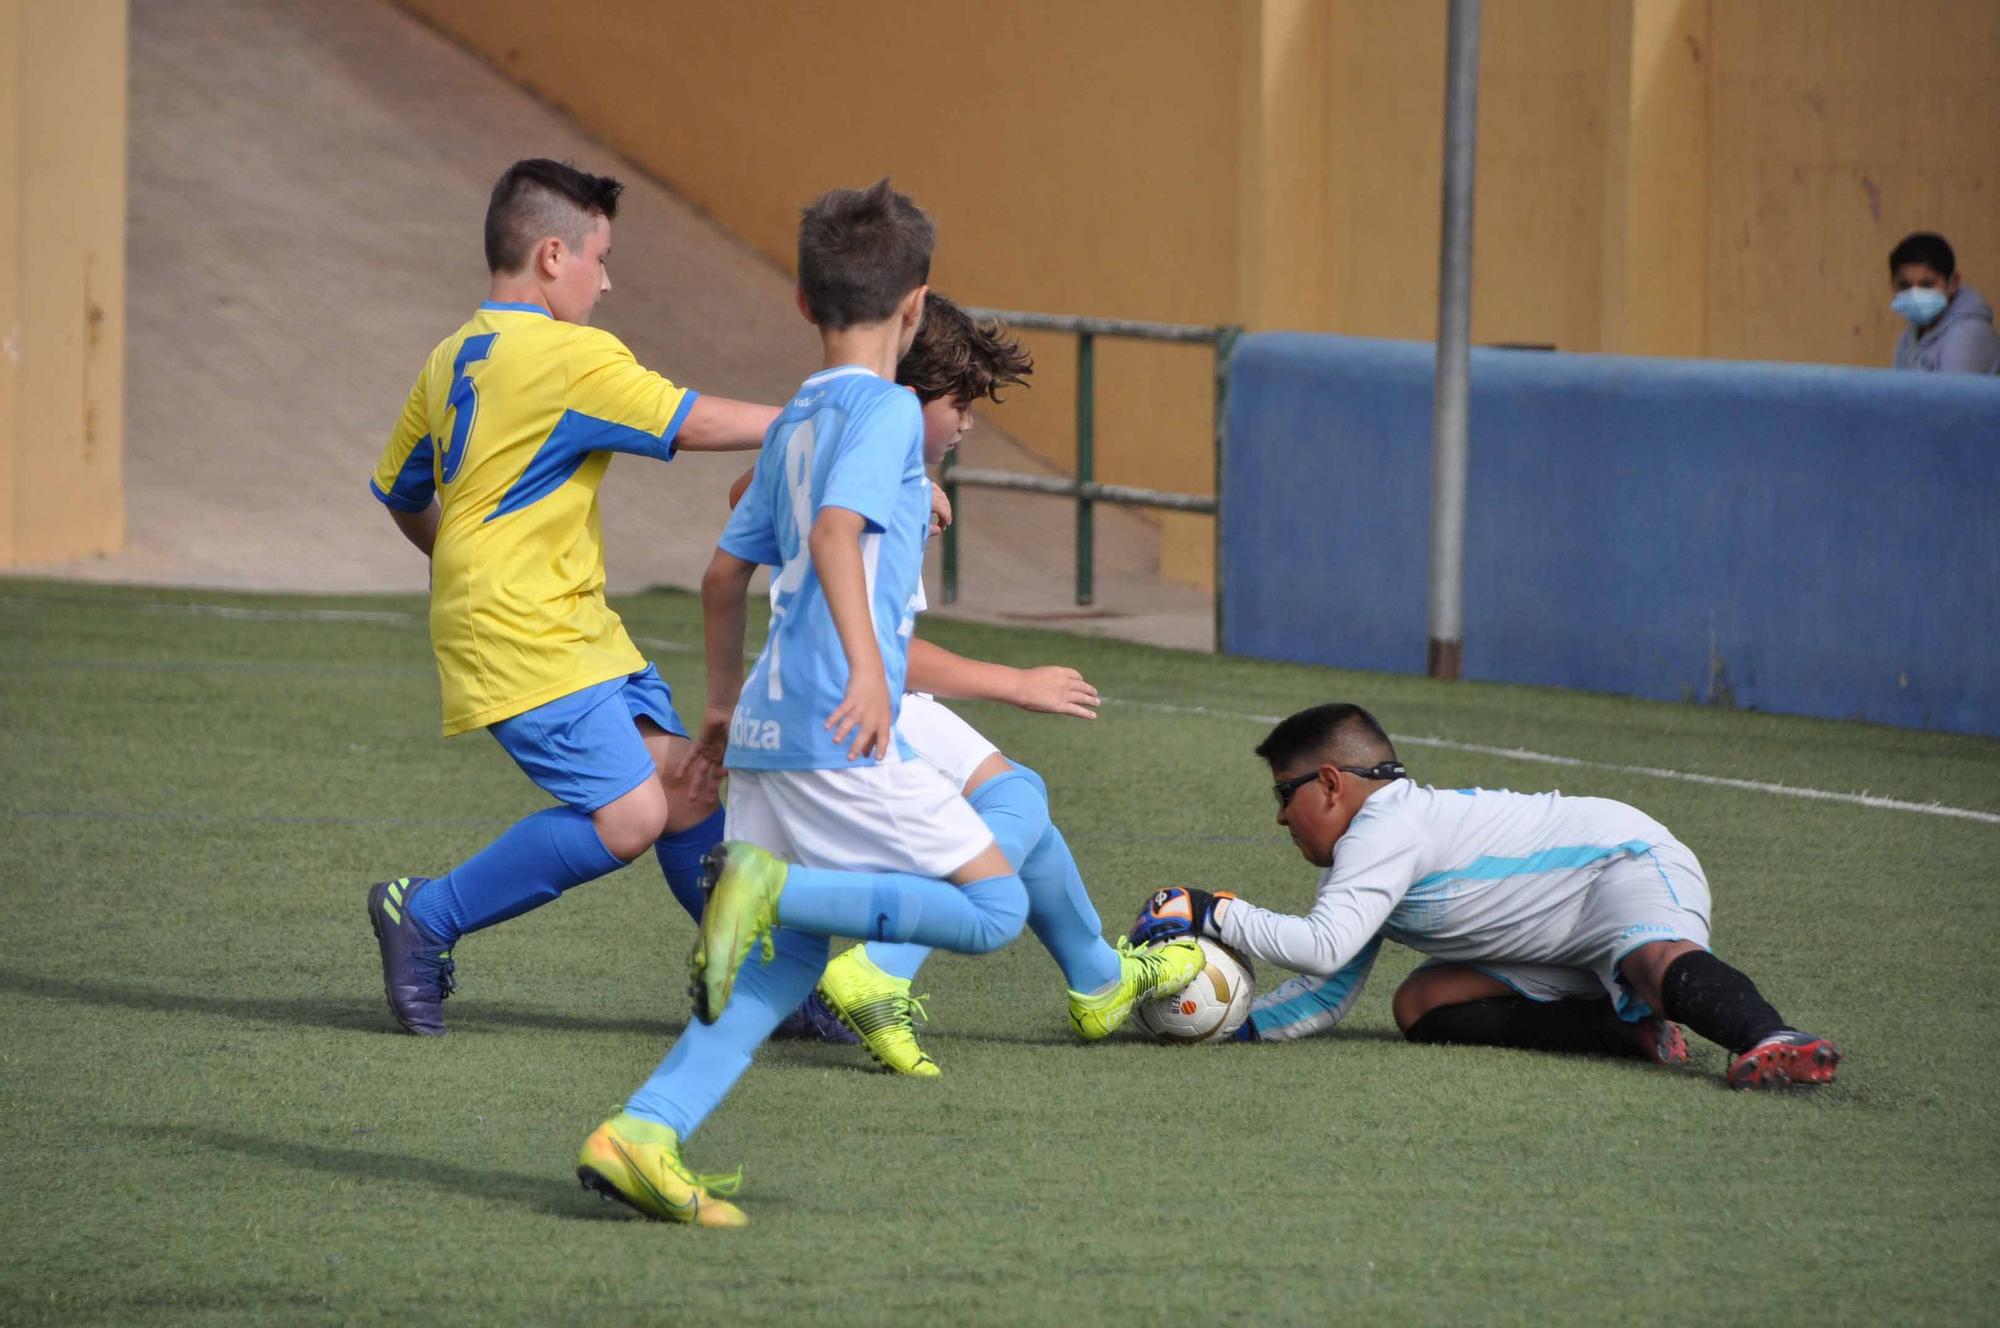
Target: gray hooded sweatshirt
(1962, 340)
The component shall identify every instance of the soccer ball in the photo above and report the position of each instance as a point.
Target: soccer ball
(1212, 1007)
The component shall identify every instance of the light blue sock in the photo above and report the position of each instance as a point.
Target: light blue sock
(898, 961)
(1015, 807)
(896, 906)
(1063, 918)
(707, 1059)
(680, 853)
(530, 864)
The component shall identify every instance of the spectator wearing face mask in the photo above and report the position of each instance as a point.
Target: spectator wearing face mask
(1950, 324)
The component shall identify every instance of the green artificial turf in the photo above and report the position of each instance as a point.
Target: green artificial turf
(209, 1117)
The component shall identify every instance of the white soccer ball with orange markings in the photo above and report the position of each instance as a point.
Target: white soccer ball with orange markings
(1209, 1009)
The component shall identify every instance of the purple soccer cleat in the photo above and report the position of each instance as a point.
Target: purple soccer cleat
(814, 1021)
(417, 969)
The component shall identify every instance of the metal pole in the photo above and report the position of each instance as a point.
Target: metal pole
(1225, 346)
(1454, 335)
(1086, 345)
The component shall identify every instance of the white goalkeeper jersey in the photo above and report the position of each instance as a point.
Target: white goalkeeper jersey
(1460, 874)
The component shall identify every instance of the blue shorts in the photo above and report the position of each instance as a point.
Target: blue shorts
(584, 749)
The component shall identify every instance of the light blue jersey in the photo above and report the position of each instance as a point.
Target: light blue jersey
(853, 440)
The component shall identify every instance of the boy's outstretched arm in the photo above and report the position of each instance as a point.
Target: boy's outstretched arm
(1356, 896)
(1051, 689)
(865, 711)
(724, 588)
(419, 528)
(718, 424)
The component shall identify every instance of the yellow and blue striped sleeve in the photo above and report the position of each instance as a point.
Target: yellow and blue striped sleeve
(617, 405)
(406, 477)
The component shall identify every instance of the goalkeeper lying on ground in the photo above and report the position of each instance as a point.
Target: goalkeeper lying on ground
(1553, 923)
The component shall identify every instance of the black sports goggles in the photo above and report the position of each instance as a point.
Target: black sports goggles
(1283, 789)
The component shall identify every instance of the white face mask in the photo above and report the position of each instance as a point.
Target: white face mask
(1919, 304)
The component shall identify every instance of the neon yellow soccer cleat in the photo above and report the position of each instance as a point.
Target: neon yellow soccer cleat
(743, 887)
(638, 1163)
(1142, 975)
(878, 1008)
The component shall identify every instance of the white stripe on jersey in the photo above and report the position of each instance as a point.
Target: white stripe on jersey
(1455, 873)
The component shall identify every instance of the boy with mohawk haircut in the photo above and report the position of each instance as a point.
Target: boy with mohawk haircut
(492, 472)
(833, 829)
(955, 361)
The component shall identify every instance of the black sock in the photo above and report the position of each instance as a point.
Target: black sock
(1717, 1002)
(1577, 1027)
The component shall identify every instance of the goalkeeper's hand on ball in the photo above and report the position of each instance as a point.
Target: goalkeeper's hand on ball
(1175, 912)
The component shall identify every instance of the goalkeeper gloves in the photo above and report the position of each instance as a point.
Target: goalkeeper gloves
(1175, 912)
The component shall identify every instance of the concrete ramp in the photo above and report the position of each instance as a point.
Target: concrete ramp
(307, 187)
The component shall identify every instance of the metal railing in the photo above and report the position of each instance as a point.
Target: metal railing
(1083, 487)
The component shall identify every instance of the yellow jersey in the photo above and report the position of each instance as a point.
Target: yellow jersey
(510, 427)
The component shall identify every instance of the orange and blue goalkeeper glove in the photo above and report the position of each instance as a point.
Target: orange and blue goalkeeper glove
(1176, 912)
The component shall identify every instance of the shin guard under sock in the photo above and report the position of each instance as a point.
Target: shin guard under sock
(1063, 918)
(896, 906)
(1717, 1001)
(1577, 1027)
(530, 864)
(707, 1059)
(680, 853)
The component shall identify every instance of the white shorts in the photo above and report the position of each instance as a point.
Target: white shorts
(904, 817)
(1660, 895)
(938, 736)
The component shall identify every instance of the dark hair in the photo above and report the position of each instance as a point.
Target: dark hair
(1927, 248)
(1346, 734)
(860, 252)
(538, 198)
(958, 356)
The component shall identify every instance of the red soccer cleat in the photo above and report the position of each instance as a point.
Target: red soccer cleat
(1786, 1058)
(1662, 1042)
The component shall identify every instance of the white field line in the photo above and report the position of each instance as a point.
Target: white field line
(1655, 772)
(1445, 744)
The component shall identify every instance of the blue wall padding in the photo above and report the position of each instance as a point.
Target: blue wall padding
(1793, 538)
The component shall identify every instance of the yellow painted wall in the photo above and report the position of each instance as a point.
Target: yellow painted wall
(1537, 222)
(1077, 157)
(1841, 126)
(1656, 183)
(10, 269)
(1678, 177)
(62, 278)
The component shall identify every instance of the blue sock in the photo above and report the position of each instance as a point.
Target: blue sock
(1063, 918)
(680, 853)
(896, 906)
(1015, 807)
(707, 1059)
(530, 864)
